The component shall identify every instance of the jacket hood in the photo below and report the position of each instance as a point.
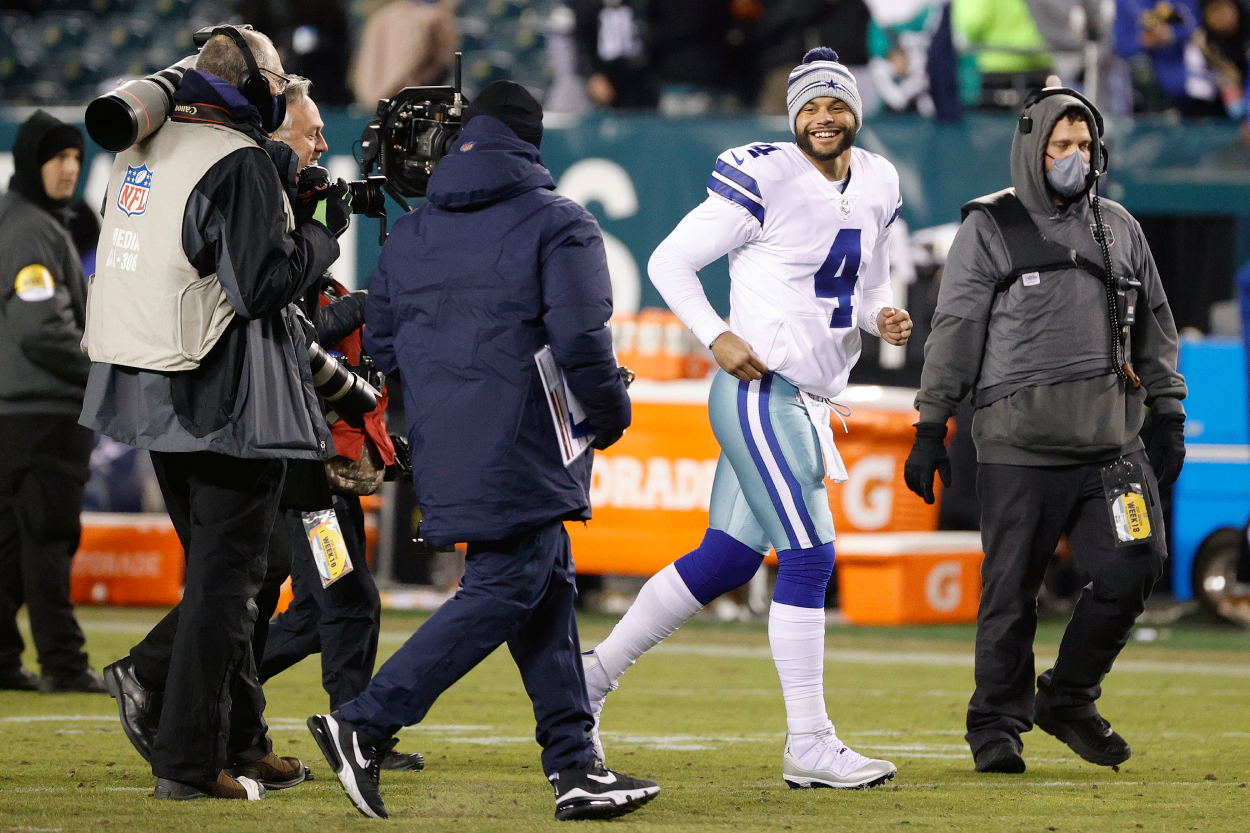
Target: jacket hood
(226, 104)
(1028, 169)
(488, 164)
(27, 177)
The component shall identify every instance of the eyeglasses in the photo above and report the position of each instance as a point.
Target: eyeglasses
(279, 82)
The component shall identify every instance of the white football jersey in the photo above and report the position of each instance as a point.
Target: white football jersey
(808, 264)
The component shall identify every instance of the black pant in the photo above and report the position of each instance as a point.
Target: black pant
(277, 569)
(44, 461)
(521, 591)
(340, 621)
(1024, 511)
(200, 654)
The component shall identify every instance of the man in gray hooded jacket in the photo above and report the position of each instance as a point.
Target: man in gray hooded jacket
(1063, 370)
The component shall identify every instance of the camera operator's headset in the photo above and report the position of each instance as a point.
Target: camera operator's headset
(253, 84)
(1025, 124)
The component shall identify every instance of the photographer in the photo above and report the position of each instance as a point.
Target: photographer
(198, 356)
(340, 621)
(469, 287)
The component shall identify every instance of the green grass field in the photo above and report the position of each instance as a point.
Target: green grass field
(702, 715)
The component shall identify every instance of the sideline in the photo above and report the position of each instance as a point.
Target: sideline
(851, 656)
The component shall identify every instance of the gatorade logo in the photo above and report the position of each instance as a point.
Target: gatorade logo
(625, 482)
(942, 588)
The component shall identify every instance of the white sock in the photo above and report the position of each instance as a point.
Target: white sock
(797, 637)
(663, 605)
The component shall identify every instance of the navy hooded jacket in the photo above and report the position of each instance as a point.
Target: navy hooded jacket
(468, 288)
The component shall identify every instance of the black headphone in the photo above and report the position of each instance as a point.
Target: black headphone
(1026, 121)
(253, 84)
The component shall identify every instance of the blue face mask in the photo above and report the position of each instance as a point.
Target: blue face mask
(1067, 176)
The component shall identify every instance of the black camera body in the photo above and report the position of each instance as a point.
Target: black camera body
(410, 133)
(366, 195)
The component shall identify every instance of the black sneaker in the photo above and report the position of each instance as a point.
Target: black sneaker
(999, 756)
(19, 679)
(1090, 737)
(597, 792)
(403, 761)
(355, 758)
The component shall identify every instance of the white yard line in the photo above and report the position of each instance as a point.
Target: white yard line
(951, 660)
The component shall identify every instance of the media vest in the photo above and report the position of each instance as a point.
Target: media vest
(147, 306)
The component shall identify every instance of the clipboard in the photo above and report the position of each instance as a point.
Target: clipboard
(573, 431)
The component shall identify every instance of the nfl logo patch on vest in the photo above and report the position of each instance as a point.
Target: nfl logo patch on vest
(132, 198)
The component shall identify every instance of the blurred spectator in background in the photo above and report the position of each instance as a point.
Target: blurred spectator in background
(313, 39)
(1224, 38)
(687, 43)
(1066, 27)
(788, 28)
(1156, 38)
(44, 452)
(943, 69)
(406, 43)
(567, 94)
(612, 53)
(898, 51)
(1010, 55)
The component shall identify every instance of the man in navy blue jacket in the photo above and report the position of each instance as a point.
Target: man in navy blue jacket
(468, 288)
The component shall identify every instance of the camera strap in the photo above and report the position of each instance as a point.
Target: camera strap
(1031, 253)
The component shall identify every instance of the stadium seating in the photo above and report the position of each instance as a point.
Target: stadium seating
(71, 50)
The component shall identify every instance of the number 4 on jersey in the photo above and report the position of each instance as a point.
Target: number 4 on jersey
(837, 275)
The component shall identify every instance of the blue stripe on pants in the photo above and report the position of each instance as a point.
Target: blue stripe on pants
(792, 482)
(745, 395)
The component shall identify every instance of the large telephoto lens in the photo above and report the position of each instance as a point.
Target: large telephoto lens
(348, 394)
(136, 109)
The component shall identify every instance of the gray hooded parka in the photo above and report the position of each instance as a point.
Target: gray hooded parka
(1036, 353)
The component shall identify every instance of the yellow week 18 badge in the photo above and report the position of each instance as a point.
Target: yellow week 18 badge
(328, 547)
(34, 283)
(1132, 518)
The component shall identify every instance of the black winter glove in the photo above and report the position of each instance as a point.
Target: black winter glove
(928, 455)
(317, 198)
(602, 441)
(1165, 447)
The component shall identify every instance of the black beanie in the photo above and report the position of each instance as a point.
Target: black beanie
(513, 105)
(40, 138)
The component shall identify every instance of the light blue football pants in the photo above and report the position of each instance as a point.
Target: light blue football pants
(769, 489)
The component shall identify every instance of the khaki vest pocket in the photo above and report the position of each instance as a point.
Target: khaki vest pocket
(199, 306)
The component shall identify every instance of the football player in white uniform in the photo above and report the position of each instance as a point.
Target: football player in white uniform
(806, 227)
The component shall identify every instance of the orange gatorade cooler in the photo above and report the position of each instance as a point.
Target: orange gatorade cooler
(909, 577)
(127, 559)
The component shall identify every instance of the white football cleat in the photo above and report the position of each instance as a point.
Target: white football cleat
(598, 686)
(821, 760)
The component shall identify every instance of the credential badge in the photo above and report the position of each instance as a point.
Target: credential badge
(132, 199)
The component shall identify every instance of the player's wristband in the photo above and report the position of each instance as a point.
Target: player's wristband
(872, 322)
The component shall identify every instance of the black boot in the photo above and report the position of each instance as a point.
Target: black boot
(999, 756)
(1089, 735)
